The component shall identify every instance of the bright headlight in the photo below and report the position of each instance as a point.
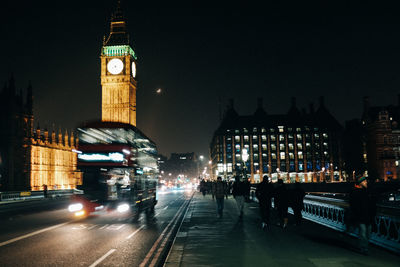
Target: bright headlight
(75, 207)
(123, 208)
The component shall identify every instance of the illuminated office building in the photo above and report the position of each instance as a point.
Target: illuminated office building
(297, 146)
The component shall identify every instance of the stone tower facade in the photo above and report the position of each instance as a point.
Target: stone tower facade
(118, 72)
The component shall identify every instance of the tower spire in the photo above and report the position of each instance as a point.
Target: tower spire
(118, 28)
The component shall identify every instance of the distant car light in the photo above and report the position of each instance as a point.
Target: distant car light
(123, 208)
(75, 207)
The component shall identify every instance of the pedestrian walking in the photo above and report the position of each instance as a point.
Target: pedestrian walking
(246, 187)
(238, 192)
(363, 212)
(45, 190)
(264, 193)
(219, 191)
(203, 188)
(281, 202)
(297, 202)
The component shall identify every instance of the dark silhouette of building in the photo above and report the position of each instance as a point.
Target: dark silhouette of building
(297, 146)
(382, 140)
(16, 129)
(355, 158)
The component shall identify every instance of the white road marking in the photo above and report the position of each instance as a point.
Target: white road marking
(104, 226)
(134, 233)
(162, 235)
(32, 234)
(115, 227)
(166, 207)
(103, 257)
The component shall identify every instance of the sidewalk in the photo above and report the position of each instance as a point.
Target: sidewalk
(206, 240)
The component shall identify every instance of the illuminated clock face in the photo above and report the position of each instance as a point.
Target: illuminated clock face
(115, 66)
(133, 69)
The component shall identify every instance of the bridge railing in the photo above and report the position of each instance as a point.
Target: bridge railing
(385, 230)
(32, 195)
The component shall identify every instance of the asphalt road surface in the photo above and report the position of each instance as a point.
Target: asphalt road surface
(45, 234)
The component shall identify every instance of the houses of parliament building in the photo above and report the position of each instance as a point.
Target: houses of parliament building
(32, 158)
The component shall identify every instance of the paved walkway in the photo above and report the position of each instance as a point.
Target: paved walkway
(206, 240)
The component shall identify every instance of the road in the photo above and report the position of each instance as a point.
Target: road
(51, 237)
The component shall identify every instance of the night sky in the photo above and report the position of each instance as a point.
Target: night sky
(199, 54)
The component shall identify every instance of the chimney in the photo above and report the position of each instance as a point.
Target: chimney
(66, 138)
(46, 135)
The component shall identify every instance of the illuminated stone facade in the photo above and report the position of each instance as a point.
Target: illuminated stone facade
(118, 71)
(54, 161)
(28, 159)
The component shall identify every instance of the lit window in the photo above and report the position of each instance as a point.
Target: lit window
(255, 137)
(316, 136)
(263, 130)
(325, 135)
(281, 137)
(298, 136)
(308, 145)
(273, 138)
(291, 147)
(300, 155)
(299, 146)
(246, 147)
(291, 156)
(264, 147)
(245, 130)
(298, 129)
(237, 138)
(272, 130)
(246, 138)
(254, 129)
(229, 169)
(273, 147)
(255, 146)
(281, 147)
(290, 136)
(264, 137)
(264, 155)
(273, 155)
(282, 155)
(281, 129)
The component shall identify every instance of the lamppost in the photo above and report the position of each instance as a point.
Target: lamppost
(245, 157)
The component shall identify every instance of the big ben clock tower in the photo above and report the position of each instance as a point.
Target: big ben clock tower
(118, 72)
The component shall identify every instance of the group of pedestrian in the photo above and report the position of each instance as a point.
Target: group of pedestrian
(283, 198)
(362, 202)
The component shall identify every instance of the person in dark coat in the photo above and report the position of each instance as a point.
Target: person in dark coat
(264, 193)
(297, 199)
(220, 191)
(238, 192)
(281, 202)
(246, 188)
(363, 212)
(203, 187)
